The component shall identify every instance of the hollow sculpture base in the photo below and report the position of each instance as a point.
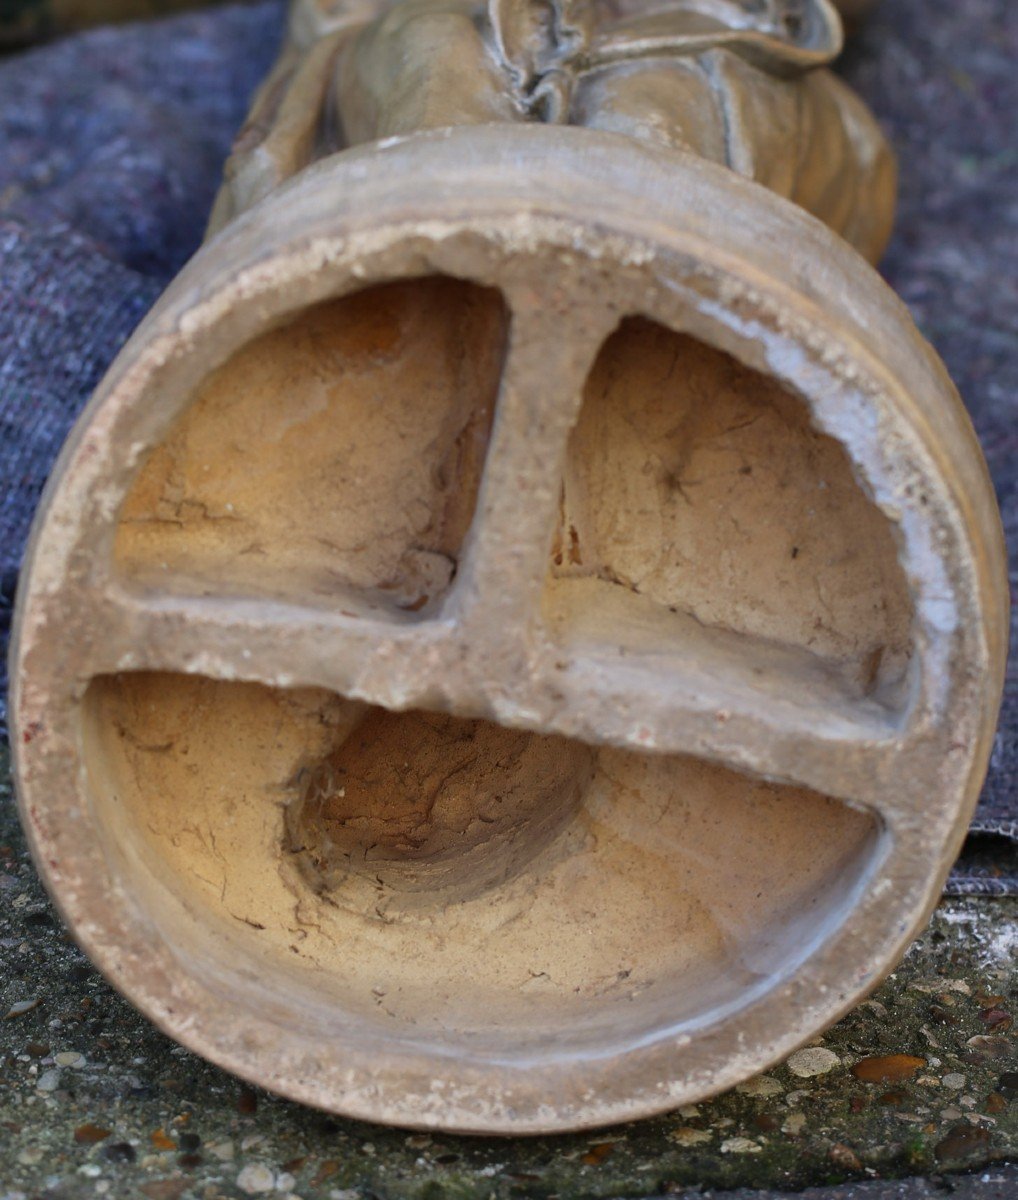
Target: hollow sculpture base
(509, 673)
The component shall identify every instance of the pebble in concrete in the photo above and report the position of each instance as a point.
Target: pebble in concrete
(811, 1061)
(740, 1145)
(760, 1085)
(256, 1178)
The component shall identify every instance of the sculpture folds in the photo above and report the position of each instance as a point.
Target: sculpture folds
(515, 641)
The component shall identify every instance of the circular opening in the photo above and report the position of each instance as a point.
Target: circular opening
(442, 879)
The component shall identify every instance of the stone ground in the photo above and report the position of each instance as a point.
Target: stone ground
(921, 1080)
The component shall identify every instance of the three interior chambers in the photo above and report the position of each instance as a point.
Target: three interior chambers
(447, 877)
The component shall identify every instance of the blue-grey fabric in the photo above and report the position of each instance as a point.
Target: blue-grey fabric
(111, 147)
(111, 144)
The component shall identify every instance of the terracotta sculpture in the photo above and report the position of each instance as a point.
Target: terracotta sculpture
(515, 641)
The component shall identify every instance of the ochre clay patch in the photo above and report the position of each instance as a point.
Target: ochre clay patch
(422, 801)
(701, 485)
(624, 895)
(339, 453)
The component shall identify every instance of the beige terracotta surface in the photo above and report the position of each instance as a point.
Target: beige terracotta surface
(334, 488)
(515, 641)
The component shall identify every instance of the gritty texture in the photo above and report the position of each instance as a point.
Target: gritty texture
(920, 1079)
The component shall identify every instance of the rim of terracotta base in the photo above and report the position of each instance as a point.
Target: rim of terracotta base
(470, 200)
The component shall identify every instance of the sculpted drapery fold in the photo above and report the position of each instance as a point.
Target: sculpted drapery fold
(740, 82)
